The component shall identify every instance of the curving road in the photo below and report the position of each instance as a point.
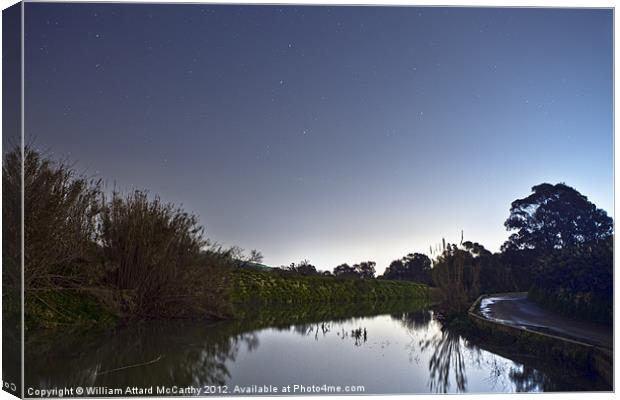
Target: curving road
(515, 309)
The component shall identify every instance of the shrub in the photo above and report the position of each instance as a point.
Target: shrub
(152, 252)
(457, 273)
(577, 281)
(60, 210)
(130, 256)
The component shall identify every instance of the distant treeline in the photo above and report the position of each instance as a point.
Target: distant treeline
(92, 257)
(413, 267)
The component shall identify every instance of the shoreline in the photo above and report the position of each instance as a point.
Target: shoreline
(545, 345)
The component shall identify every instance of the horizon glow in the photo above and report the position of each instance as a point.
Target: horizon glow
(333, 134)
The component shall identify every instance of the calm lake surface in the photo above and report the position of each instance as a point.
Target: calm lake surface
(399, 352)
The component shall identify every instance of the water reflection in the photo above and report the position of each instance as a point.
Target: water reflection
(358, 335)
(446, 355)
(170, 354)
(446, 350)
(397, 352)
(528, 379)
(414, 320)
(450, 354)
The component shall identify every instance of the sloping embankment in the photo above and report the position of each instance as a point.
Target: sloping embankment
(251, 287)
(546, 345)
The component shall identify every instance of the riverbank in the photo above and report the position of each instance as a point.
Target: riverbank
(251, 288)
(247, 291)
(527, 329)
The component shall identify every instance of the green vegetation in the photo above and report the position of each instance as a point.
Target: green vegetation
(92, 258)
(95, 259)
(413, 267)
(53, 308)
(153, 252)
(263, 287)
(569, 242)
(457, 273)
(577, 281)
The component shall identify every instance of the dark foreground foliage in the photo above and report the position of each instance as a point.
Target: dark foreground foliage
(92, 260)
(577, 281)
(562, 253)
(566, 244)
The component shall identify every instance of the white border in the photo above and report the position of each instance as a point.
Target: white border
(471, 3)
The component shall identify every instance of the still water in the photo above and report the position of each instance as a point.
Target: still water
(400, 352)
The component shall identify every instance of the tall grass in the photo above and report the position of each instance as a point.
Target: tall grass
(152, 251)
(457, 273)
(11, 236)
(132, 255)
(60, 210)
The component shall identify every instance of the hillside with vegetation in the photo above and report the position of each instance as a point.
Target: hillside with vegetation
(278, 288)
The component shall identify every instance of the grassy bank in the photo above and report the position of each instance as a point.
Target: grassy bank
(253, 287)
(250, 292)
(51, 308)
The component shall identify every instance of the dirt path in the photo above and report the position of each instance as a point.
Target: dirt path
(516, 310)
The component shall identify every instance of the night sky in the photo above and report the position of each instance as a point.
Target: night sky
(333, 134)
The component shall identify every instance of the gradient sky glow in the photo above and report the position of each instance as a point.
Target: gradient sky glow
(336, 134)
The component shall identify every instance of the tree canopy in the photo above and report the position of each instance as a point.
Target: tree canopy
(363, 270)
(413, 267)
(555, 217)
(303, 268)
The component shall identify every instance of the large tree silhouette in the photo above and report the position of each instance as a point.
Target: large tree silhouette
(555, 217)
(413, 267)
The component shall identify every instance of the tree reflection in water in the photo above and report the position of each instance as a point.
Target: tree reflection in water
(359, 335)
(447, 350)
(447, 354)
(528, 379)
(169, 354)
(199, 354)
(414, 320)
(451, 353)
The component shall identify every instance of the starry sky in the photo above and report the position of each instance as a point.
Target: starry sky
(333, 134)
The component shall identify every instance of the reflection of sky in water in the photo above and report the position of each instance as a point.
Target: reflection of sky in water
(393, 359)
(398, 353)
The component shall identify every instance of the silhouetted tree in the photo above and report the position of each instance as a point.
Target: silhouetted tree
(303, 268)
(561, 250)
(345, 271)
(363, 270)
(366, 269)
(554, 217)
(495, 276)
(413, 267)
